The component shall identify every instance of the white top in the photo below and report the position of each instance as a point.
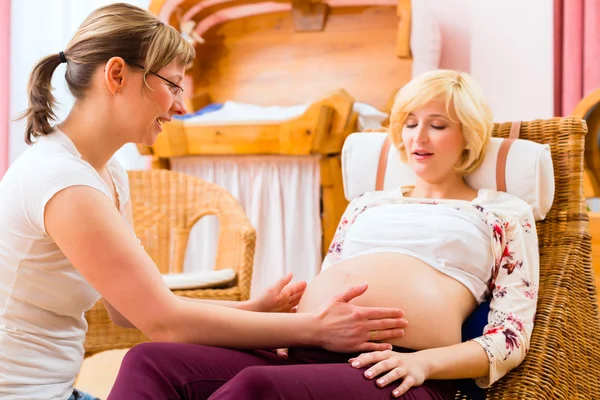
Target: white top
(43, 298)
(506, 264)
(455, 242)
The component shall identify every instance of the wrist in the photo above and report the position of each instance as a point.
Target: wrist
(427, 362)
(308, 330)
(247, 305)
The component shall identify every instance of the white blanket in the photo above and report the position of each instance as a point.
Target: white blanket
(369, 117)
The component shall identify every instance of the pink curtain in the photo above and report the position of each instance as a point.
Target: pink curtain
(576, 52)
(4, 83)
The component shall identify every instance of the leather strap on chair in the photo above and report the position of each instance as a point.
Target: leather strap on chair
(381, 167)
(515, 129)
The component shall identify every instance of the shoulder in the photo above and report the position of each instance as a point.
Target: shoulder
(46, 169)
(506, 205)
(42, 169)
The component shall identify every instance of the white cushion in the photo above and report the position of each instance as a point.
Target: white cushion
(529, 171)
(199, 280)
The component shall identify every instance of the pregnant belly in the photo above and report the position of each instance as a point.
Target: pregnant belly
(434, 304)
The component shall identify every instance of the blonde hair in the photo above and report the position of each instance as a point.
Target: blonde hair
(464, 99)
(115, 30)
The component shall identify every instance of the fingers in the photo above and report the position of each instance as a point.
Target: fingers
(370, 358)
(295, 299)
(351, 293)
(386, 323)
(282, 282)
(382, 313)
(372, 346)
(283, 353)
(392, 376)
(385, 334)
(298, 287)
(408, 382)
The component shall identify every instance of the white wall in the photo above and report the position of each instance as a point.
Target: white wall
(507, 45)
(40, 28)
(512, 57)
(455, 19)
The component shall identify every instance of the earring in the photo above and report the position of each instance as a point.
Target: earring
(117, 93)
(468, 146)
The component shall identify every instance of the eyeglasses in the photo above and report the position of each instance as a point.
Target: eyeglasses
(173, 86)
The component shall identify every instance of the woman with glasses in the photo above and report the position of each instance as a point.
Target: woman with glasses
(67, 238)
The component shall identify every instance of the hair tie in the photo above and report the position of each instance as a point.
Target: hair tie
(63, 59)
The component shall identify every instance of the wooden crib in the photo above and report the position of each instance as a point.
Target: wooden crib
(327, 54)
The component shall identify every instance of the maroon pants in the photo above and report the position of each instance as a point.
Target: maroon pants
(186, 371)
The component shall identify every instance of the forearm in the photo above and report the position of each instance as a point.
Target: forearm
(240, 305)
(460, 361)
(202, 323)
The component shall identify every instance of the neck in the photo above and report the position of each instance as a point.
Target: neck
(452, 188)
(94, 135)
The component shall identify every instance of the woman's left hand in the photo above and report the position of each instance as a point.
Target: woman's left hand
(280, 297)
(410, 367)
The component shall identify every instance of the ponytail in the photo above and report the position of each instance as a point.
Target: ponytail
(41, 101)
(115, 30)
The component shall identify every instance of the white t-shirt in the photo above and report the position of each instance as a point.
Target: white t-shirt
(455, 241)
(43, 298)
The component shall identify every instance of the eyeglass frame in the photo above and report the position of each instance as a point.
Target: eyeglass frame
(157, 75)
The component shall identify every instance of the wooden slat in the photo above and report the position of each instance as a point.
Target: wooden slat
(261, 60)
(334, 202)
(309, 16)
(404, 26)
(320, 129)
(212, 9)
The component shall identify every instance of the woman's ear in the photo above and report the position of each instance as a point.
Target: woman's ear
(115, 75)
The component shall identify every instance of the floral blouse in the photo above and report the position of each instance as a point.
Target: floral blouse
(513, 287)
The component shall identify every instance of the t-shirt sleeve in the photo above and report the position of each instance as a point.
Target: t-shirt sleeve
(42, 184)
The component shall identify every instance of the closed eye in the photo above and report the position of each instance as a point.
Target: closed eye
(174, 89)
(439, 128)
(411, 126)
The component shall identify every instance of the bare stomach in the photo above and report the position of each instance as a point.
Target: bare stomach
(434, 304)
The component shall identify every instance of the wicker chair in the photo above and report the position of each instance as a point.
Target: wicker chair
(166, 205)
(564, 357)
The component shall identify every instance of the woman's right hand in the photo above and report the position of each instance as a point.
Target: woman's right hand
(345, 327)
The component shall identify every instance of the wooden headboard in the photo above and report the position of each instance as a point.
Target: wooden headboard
(294, 51)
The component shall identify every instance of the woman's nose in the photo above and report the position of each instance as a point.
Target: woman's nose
(179, 106)
(422, 135)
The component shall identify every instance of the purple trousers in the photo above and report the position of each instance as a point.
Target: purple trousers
(166, 371)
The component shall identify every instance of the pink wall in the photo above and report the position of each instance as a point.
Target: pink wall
(507, 46)
(455, 20)
(4, 83)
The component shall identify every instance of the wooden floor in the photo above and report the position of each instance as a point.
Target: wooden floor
(98, 373)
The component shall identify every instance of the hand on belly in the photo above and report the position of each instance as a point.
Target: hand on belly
(434, 304)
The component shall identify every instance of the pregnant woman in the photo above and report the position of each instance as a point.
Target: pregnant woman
(437, 250)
